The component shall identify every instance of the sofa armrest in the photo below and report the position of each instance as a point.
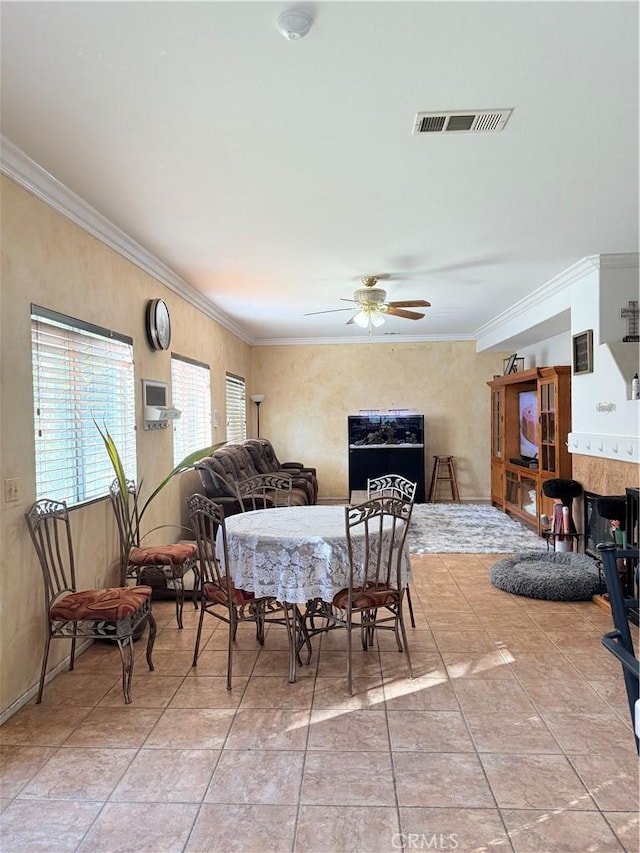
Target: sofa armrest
(302, 469)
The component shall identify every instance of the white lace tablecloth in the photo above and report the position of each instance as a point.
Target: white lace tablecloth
(293, 553)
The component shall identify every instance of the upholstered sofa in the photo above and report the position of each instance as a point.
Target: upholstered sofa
(232, 463)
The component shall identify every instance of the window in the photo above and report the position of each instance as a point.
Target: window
(191, 393)
(236, 408)
(81, 374)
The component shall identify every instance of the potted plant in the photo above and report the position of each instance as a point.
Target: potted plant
(132, 510)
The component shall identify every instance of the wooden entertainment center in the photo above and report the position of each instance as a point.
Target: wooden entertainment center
(531, 410)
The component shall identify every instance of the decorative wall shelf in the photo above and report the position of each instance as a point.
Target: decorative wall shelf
(621, 447)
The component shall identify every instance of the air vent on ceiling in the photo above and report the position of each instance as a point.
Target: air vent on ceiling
(461, 121)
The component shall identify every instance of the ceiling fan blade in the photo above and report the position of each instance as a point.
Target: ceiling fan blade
(400, 312)
(410, 303)
(329, 311)
(350, 321)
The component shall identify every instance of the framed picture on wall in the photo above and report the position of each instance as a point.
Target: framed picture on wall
(513, 364)
(582, 352)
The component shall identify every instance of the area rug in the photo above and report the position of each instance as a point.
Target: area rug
(458, 528)
(555, 576)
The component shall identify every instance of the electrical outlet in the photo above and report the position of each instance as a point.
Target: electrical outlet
(11, 490)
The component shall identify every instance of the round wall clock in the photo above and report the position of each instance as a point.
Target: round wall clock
(158, 324)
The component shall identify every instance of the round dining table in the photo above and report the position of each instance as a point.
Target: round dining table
(295, 554)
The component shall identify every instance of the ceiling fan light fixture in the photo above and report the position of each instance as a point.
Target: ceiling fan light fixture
(377, 319)
(372, 297)
(362, 319)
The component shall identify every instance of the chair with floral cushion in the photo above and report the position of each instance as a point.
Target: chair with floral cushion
(72, 614)
(373, 598)
(168, 563)
(219, 596)
(394, 486)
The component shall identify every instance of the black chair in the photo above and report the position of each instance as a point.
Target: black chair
(620, 642)
(562, 533)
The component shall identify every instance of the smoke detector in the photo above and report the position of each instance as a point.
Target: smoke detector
(293, 24)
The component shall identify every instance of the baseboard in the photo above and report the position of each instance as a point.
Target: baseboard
(33, 691)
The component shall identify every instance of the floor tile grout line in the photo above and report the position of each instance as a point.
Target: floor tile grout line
(202, 802)
(299, 804)
(477, 607)
(484, 769)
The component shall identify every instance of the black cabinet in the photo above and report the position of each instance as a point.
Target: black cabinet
(386, 443)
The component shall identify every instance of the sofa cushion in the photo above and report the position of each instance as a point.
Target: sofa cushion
(232, 463)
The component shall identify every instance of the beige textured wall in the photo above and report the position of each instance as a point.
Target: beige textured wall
(310, 391)
(48, 260)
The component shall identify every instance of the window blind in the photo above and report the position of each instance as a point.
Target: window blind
(81, 374)
(236, 408)
(191, 393)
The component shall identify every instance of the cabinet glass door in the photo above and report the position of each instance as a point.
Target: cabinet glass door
(529, 496)
(547, 402)
(511, 488)
(496, 423)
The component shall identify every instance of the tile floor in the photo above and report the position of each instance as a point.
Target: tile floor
(513, 736)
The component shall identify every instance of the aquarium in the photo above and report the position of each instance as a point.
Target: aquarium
(386, 429)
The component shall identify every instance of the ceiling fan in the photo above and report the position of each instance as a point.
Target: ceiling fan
(372, 305)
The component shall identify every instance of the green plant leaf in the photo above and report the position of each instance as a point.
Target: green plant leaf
(185, 465)
(134, 512)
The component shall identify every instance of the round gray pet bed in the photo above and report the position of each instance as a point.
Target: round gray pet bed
(554, 576)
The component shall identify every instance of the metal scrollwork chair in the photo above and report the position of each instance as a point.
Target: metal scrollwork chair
(394, 486)
(219, 595)
(264, 491)
(619, 641)
(74, 614)
(372, 601)
(160, 562)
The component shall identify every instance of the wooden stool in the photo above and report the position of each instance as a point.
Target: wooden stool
(443, 471)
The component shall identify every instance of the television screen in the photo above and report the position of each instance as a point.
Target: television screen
(528, 401)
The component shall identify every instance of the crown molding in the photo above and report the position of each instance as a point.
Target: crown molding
(364, 339)
(552, 288)
(560, 282)
(15, 164)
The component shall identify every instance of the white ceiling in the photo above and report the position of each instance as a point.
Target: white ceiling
(271, 174)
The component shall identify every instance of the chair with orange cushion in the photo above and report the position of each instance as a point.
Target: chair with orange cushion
(169, 563)
(394, 486)
(72, 614)
(219, 595)
(373, 598)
